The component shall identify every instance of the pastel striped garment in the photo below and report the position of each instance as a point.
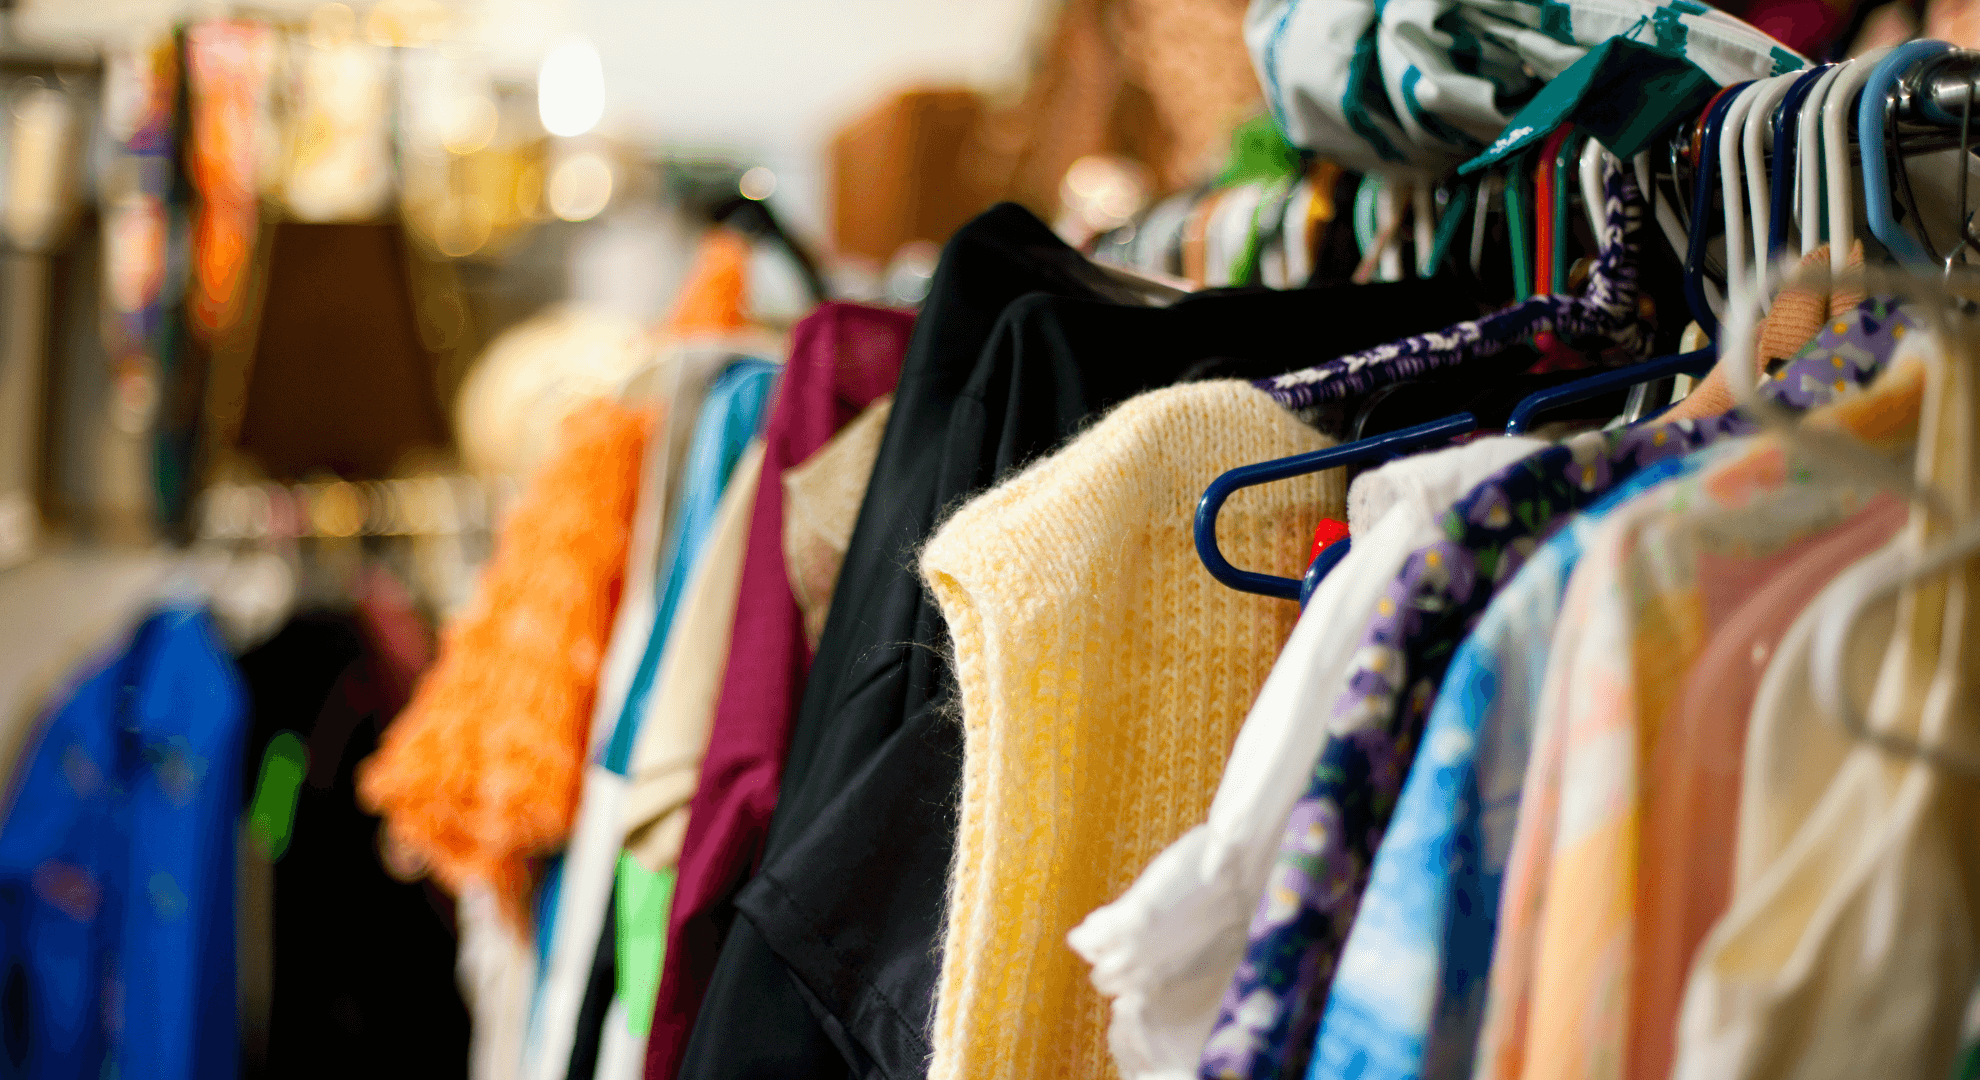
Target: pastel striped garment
(1646, 596)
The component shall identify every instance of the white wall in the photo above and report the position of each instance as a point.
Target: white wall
(773, 79)
(769, 80)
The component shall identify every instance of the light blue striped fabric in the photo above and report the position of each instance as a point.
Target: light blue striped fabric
(735, 409)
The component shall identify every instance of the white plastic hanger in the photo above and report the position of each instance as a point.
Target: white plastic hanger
(1836, 158)
(1423, 217)
(1592, 196)
(1389, 204)
(1808, 150)
(1955, 378)
(1489, 190)
(1733, 191)
(1759, 202)
(1831, 640)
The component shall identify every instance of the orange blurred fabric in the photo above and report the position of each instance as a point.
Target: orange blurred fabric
(481, 772)
(715, 299)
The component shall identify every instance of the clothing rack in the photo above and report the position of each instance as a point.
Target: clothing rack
(439, 505)
(1938, 92)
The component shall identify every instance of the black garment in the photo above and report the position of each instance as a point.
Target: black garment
(364, 963)
(598, 989)
(849, 898)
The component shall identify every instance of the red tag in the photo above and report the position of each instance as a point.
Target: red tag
(1326, 534)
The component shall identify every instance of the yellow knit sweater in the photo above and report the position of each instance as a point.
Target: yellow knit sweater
(1104, 674)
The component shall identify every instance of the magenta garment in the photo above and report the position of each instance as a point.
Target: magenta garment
(843, 356)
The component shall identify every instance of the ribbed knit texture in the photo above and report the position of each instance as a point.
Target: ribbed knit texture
(1104, 674)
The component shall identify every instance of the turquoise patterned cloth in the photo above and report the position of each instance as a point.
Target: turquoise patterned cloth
(1371, 84)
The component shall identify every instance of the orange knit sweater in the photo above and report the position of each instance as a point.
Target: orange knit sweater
(481, 772)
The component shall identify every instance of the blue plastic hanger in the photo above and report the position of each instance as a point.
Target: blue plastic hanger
(1385, 446)
(1245, 476)
(1871, 116)
(1594, 386)
(1705, 187)
(1781, 208)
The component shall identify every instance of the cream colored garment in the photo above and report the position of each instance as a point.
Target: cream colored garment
(822, 495)
(1792, 754)
(496, 970)
(673, 733)
(1103, 675)
(1852, 954)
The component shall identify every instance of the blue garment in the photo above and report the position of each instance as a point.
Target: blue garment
(1408, 996)
(117, 869)
(737, 404)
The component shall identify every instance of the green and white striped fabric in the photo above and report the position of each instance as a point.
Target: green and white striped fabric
(1418, 86)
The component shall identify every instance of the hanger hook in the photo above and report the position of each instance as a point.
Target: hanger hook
(1831, 641)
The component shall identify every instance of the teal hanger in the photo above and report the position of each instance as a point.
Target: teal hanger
(1564, 174)
(1518, 235)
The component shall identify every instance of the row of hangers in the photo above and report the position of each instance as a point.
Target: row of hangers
(1768, 170)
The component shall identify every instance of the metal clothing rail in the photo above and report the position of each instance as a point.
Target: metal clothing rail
(1937, 94)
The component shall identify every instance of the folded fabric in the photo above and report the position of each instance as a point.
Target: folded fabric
(822, 494)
